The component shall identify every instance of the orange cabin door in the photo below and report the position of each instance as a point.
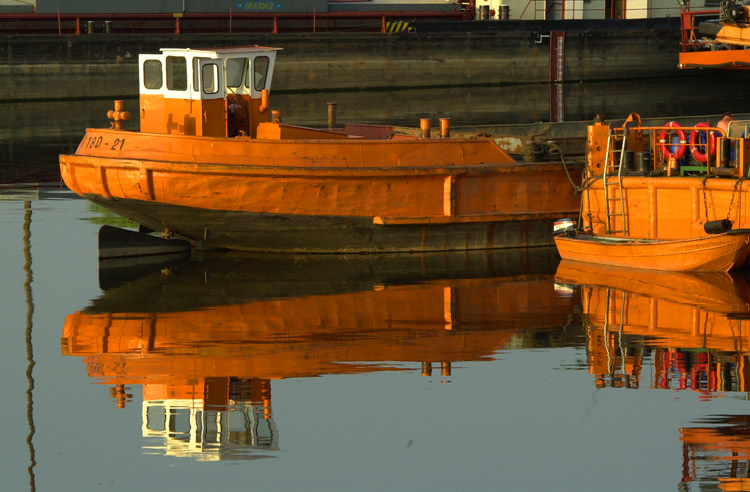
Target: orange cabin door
(213, 114)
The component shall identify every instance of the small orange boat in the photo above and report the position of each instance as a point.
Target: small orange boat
(212, 164)
(712, 253)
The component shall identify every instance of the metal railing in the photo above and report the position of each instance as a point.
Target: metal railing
(689, 22)
(229, 22)
(568, 10)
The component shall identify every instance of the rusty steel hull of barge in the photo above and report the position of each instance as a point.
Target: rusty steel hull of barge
(291, 233)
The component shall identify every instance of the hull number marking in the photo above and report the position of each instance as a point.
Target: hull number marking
(96, 142)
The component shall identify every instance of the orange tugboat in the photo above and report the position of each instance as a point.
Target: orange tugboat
(211, 165)
(665, 183)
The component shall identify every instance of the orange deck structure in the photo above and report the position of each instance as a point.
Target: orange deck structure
(212, 164)
(724, 49)
(665, 182)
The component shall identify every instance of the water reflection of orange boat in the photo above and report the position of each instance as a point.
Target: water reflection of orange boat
(192, 347)
(697, 326)
(694, 326)
(210, 164)
(718, 451)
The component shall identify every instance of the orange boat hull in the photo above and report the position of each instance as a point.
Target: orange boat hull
(732, 59)
(327, 195)
(716, 253)
(667, 207)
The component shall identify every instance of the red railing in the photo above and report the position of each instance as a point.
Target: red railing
(613, 9)
(689, 21)
(230, 22)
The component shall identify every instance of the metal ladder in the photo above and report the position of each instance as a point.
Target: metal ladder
(610, 202)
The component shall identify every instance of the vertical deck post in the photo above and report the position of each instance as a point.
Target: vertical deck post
(449, 196)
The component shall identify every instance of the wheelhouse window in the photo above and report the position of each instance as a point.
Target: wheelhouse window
(260, 72)
(210, 78)
(176, 73)
(152, 76)
(235, 71)
(197, 73)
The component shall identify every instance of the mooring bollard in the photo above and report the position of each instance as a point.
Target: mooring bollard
(445, 127)
(426, 126)
(118, 115)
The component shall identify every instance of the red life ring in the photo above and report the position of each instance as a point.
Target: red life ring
(695, 146)
(666, 146)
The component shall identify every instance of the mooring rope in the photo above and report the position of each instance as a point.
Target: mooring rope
(554, 149)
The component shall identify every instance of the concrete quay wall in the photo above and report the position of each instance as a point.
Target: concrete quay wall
(98, 66)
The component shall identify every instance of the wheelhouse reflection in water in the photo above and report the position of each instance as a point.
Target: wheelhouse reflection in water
(694, 328)
(206, 339)
(210, 419)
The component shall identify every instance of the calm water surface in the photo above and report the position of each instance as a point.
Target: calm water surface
(438, 372)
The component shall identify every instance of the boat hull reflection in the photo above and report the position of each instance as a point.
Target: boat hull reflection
(211, 335)
(717, 451)
(696, 325)
(695, 329)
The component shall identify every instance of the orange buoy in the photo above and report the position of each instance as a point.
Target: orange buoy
(666, 146)
(709, 148)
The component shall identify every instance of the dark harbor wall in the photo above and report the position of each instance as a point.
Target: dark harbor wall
(104, 66)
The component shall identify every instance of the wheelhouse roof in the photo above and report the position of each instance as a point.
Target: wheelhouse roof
(217, 52)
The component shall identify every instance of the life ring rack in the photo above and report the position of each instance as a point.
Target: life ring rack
(709, 147)
(666, 146)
